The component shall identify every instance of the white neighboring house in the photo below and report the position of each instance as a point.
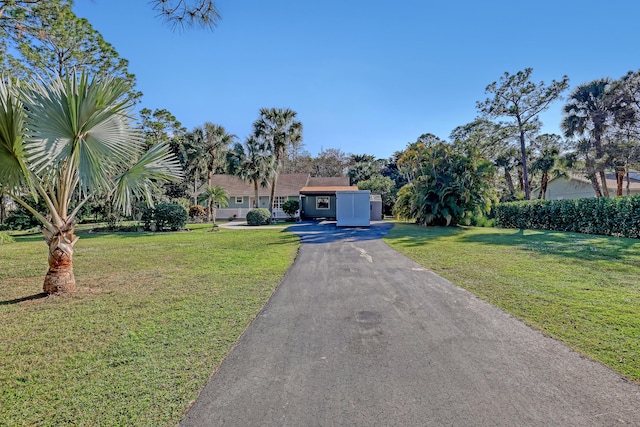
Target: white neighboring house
(575, 186)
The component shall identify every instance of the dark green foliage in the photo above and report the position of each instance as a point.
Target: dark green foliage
(165, 216)
(259, 216)
(619, 216)
(20, 219)
(290, 207)
(447, 187)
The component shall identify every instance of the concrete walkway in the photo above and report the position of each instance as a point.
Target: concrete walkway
(358, 335)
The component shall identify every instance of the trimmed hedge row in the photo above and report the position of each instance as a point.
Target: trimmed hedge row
(618, 216)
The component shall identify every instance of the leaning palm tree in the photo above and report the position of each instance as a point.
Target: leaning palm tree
(279, 129)
(216, 197)
(74, 136)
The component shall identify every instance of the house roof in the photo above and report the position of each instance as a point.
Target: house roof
(290, 184)
(328, 189)
(319, 181)
(612, 184)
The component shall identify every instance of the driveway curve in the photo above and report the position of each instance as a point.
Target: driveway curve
(359, 335)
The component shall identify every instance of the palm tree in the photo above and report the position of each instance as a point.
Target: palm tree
(216, 197)
(216, 142)
(73, 136)
(195, 160)
(251, 163)
(592, 108)
(279, 130)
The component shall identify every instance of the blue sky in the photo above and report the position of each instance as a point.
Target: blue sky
(364, 76)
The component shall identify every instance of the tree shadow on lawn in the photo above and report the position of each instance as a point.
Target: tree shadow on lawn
(587, 247)
(564, 244)
(23, 299)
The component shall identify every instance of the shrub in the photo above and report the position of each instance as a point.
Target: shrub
(290, 207)
(21, 219)
(5, 238)
(165, 216)
(171, 216)
(197, 213)
(619, 216)
(259, 216)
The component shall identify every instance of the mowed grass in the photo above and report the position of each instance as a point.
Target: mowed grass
(581, 289)
(154, 316)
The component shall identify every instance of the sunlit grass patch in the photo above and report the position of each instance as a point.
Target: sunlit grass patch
(153, 316)
(581, 289)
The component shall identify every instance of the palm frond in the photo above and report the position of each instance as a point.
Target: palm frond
(14, 171)
(158, 164)
(83, 124)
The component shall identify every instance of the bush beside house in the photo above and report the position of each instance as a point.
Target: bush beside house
(259, 216)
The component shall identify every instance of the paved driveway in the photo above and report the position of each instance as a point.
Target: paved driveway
(358, 334)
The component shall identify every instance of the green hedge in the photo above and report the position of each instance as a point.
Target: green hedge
(618, 216)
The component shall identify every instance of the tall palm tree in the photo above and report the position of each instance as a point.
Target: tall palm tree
(216, 197)
(279, 130)
(74, 135)
(591, 109)
(196, 161)
(216, 142)
(251, 163)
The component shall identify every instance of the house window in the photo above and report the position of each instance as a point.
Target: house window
(322, 202)
(278, 201)
(239, 200)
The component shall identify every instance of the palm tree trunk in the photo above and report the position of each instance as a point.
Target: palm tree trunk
(255, 189)
(603, 179)
(273, 194)
(509, 179)
(592, 176)
(195, 188)
(60, 278)
(620, 173)
(543, 186)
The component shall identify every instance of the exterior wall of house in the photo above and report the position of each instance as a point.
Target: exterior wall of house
(314, 208)
(238, 210)
(563, 188)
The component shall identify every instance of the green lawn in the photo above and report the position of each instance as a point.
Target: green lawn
(581, 289)
(154, 315)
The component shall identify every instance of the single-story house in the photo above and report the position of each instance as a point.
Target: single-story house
(575, 186)
(317, 195)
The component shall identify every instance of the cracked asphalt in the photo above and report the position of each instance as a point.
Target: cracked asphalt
(359, 335)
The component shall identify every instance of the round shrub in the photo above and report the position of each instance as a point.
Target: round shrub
(165, 216)
(259, 216)
(290, 207)
(171, 216)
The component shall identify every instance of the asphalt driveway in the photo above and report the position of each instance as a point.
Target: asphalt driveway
(358, 334)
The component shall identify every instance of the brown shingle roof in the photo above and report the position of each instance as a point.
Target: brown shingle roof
(338, 181)
(287, 185)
